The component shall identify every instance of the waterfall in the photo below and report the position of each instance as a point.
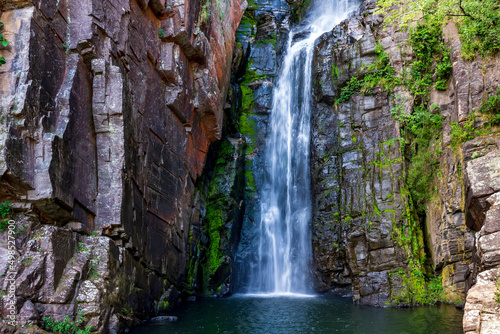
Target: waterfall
(284, 249)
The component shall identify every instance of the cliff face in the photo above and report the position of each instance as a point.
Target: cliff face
(367, 230)
(357, 168)
(108, 110)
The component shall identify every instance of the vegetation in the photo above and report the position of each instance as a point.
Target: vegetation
(380, 73)
(478, 21)
(431, 64)
(66, 326)
(497, 293)
(5, 210)
(93, 272)
(462, 133)
(419, 133)
(416, 289)
(204, 12)
(4, 42)
(299, 9)
(491, 108)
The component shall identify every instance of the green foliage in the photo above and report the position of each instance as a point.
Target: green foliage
(419, 132)
(4, 43)
(335, 72)
(219, 205)
(65, 327)
(381, 73)
(271, 39)
(161, 33)
(93, 272)
(5, 210)
(491, 107)
(417, 289)
(81, 247)
(430, 59)
(478, 20)
(298, 9)
(204, 12)
(480, 28)
(497, 293)
(461, 134)
(353, 87)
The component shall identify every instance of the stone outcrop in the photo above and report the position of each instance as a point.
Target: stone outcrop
(108, 111)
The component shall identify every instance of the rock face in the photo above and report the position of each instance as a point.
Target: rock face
(108, 110)
(360, 198)
(357, 168)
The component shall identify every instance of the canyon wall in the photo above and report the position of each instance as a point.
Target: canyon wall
(108, 110)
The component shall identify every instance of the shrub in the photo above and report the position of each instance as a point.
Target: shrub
(65, 327)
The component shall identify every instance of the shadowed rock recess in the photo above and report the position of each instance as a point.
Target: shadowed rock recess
(132, 140)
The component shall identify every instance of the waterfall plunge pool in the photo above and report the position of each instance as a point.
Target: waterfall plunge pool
(319, 314)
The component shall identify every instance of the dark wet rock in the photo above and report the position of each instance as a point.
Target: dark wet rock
(165, 318)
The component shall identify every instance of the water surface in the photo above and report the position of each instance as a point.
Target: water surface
(319, 314)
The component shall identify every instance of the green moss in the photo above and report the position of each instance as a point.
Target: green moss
(298, 9)
(4, 43)
(215, 221)
(246, 28)
(335, 72)
(272, 39)
(251, 5)
(250, 181)
(247, 99)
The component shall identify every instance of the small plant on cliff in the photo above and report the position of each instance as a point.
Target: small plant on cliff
(5, 210)
(381, 73)
(204, 12)
(64, 327)
(497, 293)
(491, 108)
(93, 272)
(4, 42)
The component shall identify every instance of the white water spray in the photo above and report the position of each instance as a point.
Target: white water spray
(284, 250)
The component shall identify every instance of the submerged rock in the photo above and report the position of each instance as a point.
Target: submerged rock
(165, 318)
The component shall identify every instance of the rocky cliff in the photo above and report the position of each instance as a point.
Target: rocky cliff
(405, 180)
(108, 110)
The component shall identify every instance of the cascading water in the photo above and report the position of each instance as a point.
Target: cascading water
(284, 250)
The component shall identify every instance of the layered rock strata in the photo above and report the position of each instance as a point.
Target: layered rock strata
(361, 199)
(108, 110)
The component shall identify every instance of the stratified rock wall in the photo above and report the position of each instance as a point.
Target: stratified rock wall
(357, 168)
(361, 199)
(108, 109)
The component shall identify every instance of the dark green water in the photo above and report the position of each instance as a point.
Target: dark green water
(305, 315)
